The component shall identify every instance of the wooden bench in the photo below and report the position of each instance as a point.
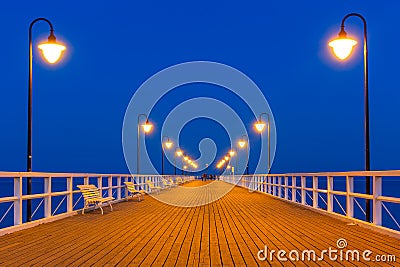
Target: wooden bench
(172, 183)
(167, 184)
(91, 195)
(133, 191)
(179, 180)
(152, 187)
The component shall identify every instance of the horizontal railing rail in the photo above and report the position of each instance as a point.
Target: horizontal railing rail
(322, 191)
(57, 194)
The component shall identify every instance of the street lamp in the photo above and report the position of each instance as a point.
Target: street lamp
(342, 48)
(178, 153)
(242, 143)
(168, 144)
(51, 51)
(260, 125)
(147, 127)
(185, 168)
(232, 153)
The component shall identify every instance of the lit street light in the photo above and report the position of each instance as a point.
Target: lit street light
(147, 126)
(178, 153)
(342, 48)
(232, 153)
(242, 143)
(168, 144)
(51, 51)
(260, 125)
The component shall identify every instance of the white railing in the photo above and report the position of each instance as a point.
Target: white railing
(55, 195)
(306, 189)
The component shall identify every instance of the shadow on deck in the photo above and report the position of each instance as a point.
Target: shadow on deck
(229, 231)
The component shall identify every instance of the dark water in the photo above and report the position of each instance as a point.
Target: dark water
(391, 187)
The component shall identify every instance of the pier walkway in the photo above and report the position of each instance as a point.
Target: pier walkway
(230, 231)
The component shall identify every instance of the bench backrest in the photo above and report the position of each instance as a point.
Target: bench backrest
(151, 185)
(89, 191)
(130, 186)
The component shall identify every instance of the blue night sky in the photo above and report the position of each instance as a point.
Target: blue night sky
(114, 46)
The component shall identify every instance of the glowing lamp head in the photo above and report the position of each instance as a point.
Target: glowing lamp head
(223, 161)
(179, 153)
(147, 126)
(189, 161)
(168, 144)
(51, 50)
(186, 158)
(228, 167)
(342, 46)
(226, 157)
(185, 167)
(231, 153)
(242, 143)
(259, 125)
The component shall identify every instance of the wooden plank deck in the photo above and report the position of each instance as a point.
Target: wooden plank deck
(229, 231)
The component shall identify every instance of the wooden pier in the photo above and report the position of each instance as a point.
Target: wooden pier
(229, 232)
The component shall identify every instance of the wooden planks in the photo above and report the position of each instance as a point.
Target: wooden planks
(228, 232)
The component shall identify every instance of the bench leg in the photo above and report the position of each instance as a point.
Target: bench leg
(109, 203)
(84, 207)
(99, 205)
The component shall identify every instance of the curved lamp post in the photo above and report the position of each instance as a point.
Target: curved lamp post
(51, 51)
(179, 153)
(233, 153)
(184, 168)
(342, 48)
(147, 127)
(260, 125)
(168, 144)
(185, 158)
(242, 143)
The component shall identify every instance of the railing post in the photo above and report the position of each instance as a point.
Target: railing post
(294, 188)
(18, 202)
(315, 191)
(286, 187)
(86, 180)
(279, 186)
(349, 198)
(329, 200)
(126, 179)
(47, 198)
(273, 185)
(377, 204)
(258, 183)
(109, 183)
(303, 190)
(119, 187)
(100, 184)
(70, 196)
